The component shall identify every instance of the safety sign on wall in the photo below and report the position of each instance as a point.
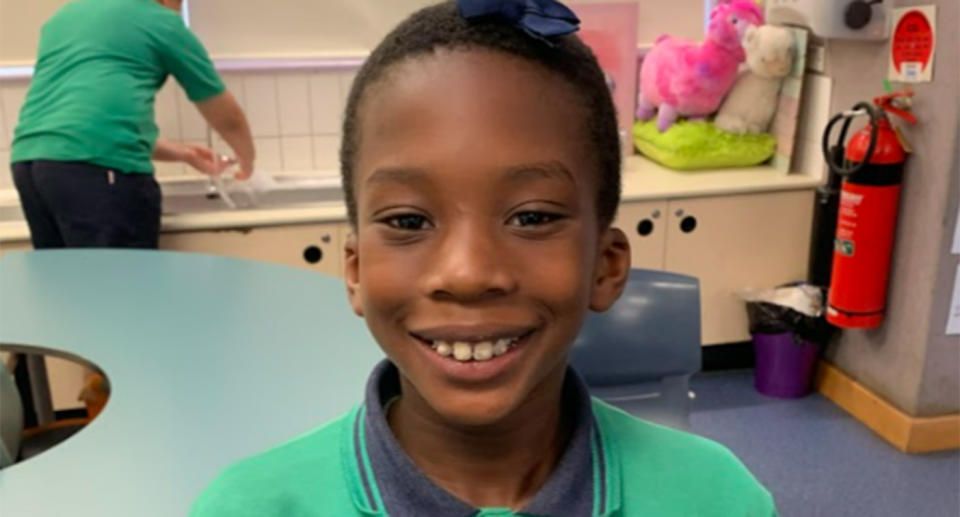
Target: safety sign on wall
(913, 41)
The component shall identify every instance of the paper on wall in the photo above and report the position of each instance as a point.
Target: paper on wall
(913, 44)
(953, 317)
(956, 231)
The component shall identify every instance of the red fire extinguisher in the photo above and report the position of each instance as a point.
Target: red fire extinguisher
(872, 172)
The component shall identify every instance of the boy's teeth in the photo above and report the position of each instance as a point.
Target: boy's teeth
(463, 351)
(482, 351)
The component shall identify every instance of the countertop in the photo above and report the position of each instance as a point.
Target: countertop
(642, 180)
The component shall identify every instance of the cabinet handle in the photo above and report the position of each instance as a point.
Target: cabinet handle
(312, 254)
(688, 224)
(655, 214)
(645, 227)
(326, 238)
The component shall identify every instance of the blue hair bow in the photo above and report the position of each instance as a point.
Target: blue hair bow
(541, 19)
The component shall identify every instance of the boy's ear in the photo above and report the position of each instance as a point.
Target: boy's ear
(611, 270)
(351, 272)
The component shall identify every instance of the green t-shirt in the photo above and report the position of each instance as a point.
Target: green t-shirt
(99, 66)
(633, 469)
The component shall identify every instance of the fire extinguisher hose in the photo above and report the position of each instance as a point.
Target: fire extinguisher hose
(834, 154)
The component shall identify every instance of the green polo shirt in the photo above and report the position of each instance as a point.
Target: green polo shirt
(99, 66)
(615, 465)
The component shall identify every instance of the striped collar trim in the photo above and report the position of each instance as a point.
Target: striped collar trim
(384, 481)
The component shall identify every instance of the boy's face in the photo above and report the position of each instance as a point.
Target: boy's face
(477, 230)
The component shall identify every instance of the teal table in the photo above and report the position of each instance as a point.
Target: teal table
(209, 359)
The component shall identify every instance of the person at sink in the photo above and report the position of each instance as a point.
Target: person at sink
(82, 150)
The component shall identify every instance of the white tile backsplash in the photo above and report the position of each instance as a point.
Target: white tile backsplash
(293, 96)
(326, 153)
(220, 145)
(5, 137)
(295, 117)
(6, 178)
(260, 91)
(297, 153)
(269, 155)
(167, 169)
(12, 95)
(166, 112)
(326, 103)
(192, 124)
(234, 84)
(345, 79)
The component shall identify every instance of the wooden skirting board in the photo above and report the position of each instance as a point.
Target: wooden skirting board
(907, 433)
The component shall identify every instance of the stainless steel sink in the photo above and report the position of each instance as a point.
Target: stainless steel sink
(196, 196)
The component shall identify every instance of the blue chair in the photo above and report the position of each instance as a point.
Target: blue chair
(641, 353)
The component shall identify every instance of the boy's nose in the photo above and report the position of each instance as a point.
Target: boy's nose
(469, 267)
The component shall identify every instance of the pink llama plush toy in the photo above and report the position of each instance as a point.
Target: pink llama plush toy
(683, 78)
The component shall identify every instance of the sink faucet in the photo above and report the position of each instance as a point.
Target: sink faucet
(212, 192)
(215, 186)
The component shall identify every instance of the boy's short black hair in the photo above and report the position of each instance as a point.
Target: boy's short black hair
(441, 27)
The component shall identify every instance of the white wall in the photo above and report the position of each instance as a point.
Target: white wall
(295, 117)
(249, 28)
(20, 22)
(232, 28)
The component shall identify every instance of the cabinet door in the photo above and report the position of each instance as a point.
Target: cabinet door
(644, 222)
(735, 242)
(316, 247)
(8, 246)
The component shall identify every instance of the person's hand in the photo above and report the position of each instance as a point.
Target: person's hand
(204, 160)
(244, 171)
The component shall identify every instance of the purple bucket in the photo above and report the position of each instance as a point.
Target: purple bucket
(784, 364)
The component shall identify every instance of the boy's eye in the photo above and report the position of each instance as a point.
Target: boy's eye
(407, 222)
(531, 218)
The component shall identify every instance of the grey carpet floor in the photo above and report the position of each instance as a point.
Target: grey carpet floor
(816, 459)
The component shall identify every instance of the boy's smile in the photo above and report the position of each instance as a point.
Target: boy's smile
(478, 248)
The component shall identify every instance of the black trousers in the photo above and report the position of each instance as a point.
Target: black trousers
(80, 205)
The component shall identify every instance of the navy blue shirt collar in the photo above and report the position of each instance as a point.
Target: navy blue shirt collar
(405, 490)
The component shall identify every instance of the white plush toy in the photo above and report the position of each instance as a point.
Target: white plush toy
(752, 102)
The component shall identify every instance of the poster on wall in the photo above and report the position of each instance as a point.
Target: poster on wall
(913, 43)
(955, 249)
(953, 317)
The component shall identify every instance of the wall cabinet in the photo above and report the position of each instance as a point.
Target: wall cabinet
(729, 242)
(8, 246)
(317, 247)
(645, 223)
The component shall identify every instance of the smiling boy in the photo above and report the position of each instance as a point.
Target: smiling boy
(481, 167)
